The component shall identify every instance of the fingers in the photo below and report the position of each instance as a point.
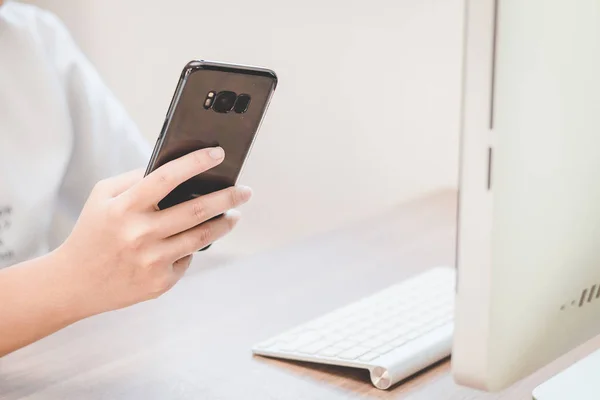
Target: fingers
(188, 242)
(116, 185)
(159, 183)
(178, 269)
(181, 266)
(194, 212)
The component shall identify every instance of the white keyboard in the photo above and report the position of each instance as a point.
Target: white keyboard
(394, 333)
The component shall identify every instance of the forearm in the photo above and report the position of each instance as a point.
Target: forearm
(37, 298)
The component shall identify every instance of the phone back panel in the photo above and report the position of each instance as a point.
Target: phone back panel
(190, 126)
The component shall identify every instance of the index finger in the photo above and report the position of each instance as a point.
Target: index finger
(160, 182)
(120, 183)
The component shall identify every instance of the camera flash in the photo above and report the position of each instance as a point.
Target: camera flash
(210, 97)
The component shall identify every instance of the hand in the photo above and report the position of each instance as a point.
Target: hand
(124, 250)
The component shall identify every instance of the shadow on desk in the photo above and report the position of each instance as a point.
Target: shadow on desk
(355, 380)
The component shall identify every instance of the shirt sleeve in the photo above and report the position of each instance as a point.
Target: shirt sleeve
(106, 142)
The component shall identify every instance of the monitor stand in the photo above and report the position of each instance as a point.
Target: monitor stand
(580, 381)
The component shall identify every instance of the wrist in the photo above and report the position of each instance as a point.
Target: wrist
(74, 294)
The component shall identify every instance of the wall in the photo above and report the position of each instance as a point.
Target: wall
(365, 117)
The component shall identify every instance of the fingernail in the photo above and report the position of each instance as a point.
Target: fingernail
(234, 215)
(217, 153)
(245, 192)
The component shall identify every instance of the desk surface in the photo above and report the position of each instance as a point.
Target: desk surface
(195, 341)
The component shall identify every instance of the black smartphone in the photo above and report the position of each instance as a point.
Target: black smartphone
(215, 104)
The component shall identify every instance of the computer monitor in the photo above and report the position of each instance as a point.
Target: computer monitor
(528, 256)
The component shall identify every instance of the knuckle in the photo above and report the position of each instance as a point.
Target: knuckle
(199, 211)
(135, 237)
(233, 196)
(203, 238)
(164, 178)
(134, 243)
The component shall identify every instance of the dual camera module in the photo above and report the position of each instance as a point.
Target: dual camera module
(226, 101)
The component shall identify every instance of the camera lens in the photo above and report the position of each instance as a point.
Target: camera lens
(224, 101)
(241, 104)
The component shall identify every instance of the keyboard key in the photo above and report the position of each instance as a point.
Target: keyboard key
(388, 325)
(358, 337)
(288, 338)
(308, 336)
(398, 331)
(328, 329)
(384, 349)
(388, 336)
(346, 344)
(372, 332)
(412, 324)
(334, 326)
(437, 323)
(315, 347)
(330, 351)
(363, 326)
(370, 356)
(373, 342)
(424, 329)
(353, 353)
(301, 341)
(354, 329)
(398, 342)
(412, 335)
(334, 337)
(285, 347)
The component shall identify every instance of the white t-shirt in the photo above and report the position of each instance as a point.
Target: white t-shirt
(61, 130)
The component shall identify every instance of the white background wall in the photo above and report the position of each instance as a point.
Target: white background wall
(366, 114)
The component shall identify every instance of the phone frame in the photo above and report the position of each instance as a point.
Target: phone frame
(197, 65)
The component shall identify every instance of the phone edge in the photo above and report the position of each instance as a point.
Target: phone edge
(190, 68)
(234, 68)
(161, 137)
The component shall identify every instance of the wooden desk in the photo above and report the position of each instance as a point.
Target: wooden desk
(194, 343)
